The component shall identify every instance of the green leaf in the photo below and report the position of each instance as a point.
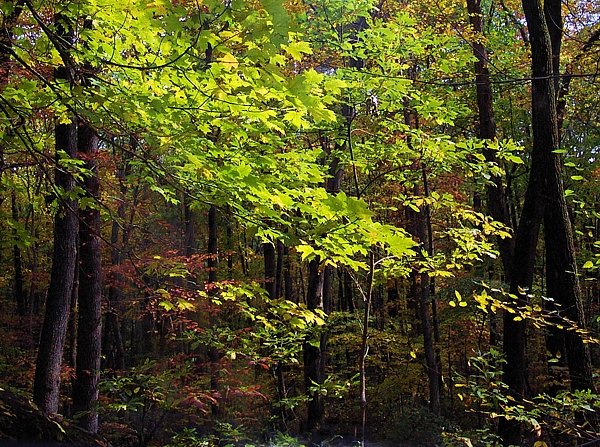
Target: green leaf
(296, 49)
(280, 19)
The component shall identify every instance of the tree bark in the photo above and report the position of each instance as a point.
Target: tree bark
(496, 195)
(19, 289)
(89, 326)
(279, 269)
(423, 298)
(213, 262)
(270, 261)
(47, 373)
(313, 373)
(544, 191)
(562, 282)
(213, 248)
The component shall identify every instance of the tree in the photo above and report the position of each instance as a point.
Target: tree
(89, 315)
(49, 359)
(545, 198)
(496, 195)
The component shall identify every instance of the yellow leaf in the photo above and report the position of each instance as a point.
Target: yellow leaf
(229, 62)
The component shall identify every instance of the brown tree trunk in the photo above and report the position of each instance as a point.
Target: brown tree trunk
(496, 195)
(213, 262)
(540, 186)
(279, 269)
(19, 290)
(421, 286)
(422, 283)
(213, 248)
(89, 327)
(562, 282)
(287, 276)
(313, 373)
(46, 388)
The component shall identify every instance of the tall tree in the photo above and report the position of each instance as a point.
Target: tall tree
(562, 282)
(544, 197)
(496, 195)
(87, 373)
(49, 358)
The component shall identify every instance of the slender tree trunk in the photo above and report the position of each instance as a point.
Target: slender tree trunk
(46, 386)
(270, 269)
(19, 290)
(89, 327)
(213, 262)
(423, 297)
(287, 275)
(364, 345)
(496, 195)
(421, 286)
(313, 373)
(230, 249)
(213, 247)
(279, 269)
(114, 351)
(434, 310)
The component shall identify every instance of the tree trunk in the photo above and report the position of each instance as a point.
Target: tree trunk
(270, 269)
(423, 298)
(19, 290)
(89, 327)
(562, 281)
(364, 346)
(47, 373)
(544, 184)
(213, 262)
(279, 269)
(312, 354)
(496, 195)
(287, 276)
(213, 248)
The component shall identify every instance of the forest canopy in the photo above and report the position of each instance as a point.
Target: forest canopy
(300, 222)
